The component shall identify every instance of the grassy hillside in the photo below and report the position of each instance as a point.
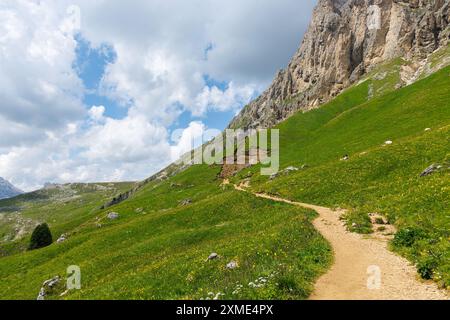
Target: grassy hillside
(64, 207)
(377, 178)
(159, 245)
(157, 249)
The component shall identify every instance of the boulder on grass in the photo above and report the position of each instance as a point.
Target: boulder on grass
(213, 256)
(113, 215)
(430, 170)
(185, 202)
(48, 287)
(62, 238)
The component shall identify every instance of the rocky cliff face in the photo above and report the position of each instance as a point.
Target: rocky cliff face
(7, 190)
(347, 38)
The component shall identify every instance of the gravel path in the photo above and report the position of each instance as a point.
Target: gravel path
(364, 268)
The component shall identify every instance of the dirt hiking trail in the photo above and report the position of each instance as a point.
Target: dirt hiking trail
(364, 268)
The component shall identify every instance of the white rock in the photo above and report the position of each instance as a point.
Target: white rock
(232, 265)
(389, 142)
(218, 295)
(41, 295)
(113, 215)
(185, 202)
(47, 285)
(52, 282)
(213, 256)
(430, 170)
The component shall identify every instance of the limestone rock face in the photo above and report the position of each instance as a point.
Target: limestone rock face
(346, 38)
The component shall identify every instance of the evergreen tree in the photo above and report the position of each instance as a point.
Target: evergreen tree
(41, 237)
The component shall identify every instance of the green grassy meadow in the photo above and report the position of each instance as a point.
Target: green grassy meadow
(377, 178)
(159, 245)
(160, 251)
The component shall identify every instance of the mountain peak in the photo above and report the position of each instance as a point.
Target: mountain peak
(7, 190)
(345, 40)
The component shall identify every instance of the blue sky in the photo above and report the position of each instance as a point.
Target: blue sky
(92, 92)
(90, 64)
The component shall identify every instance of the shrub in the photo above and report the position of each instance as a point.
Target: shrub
(426, 267)
(379, 220)
(41, 237)
(408, 236)
(290, 286)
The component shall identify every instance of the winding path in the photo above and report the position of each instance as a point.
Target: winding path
(364, 268)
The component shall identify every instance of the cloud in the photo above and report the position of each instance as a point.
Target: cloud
(164, 49)
(130, 140)
(187, 139)
(96, 113)
(230, 99)
(38, 86)
(164, 54)
(253, 39)
(115, 150)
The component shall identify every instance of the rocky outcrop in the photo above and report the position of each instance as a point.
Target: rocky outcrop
(433, 169)
(49, 287)
(347, 38)
(119, 198)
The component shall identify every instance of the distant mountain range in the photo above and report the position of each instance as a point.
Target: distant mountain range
(7, 190)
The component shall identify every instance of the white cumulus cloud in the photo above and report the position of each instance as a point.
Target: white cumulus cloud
(165, 51)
